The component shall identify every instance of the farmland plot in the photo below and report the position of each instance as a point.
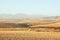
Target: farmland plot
(26, 35)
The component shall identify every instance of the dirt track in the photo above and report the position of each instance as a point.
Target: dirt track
(22, 35)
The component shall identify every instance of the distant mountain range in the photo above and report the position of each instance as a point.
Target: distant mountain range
(19, 16)
(26, 16)
(13, 16)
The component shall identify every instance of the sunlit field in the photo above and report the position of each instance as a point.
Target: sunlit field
(26, 35)
(30, 31)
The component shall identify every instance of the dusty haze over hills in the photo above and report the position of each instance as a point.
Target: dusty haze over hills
(26, 16)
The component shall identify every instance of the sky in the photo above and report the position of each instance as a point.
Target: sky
(30, 7)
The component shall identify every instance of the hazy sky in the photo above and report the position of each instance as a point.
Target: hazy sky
(39, 7)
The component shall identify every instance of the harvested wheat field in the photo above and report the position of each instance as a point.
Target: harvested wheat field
(26, 35)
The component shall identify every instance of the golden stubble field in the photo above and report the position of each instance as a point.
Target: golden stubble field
(26, 34)
(29, 35)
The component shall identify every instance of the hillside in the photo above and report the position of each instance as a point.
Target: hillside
(17, 23)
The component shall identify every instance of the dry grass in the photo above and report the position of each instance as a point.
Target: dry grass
(25, 35)
(14, 29)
